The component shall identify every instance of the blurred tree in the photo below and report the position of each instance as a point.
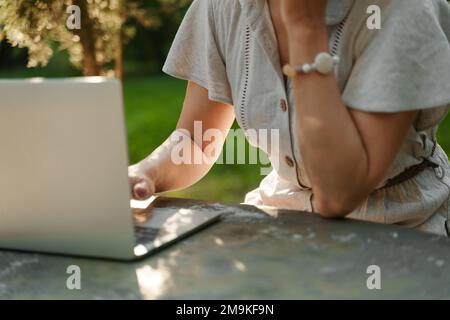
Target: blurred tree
(97, 46)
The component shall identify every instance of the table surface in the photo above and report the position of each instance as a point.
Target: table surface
(250, 254)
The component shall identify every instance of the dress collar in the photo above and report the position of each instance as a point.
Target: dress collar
(337, 10)
(257, 15)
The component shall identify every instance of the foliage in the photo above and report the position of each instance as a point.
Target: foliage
(40, 26)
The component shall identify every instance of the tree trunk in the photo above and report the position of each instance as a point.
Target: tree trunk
(87, 40)
(118, 59)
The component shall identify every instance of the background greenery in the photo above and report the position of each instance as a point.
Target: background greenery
(152, 101)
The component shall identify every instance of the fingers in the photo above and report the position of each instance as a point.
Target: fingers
(141, 191)
(142, 187)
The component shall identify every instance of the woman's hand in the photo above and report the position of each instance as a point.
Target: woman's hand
(142, 186)
(309, 13)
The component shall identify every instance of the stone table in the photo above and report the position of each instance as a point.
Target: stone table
(250, 254)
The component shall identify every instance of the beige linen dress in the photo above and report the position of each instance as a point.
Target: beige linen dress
(229, 47)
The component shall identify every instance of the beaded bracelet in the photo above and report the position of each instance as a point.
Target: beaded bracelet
(324, 63)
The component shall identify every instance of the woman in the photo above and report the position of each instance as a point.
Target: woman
(357, 142)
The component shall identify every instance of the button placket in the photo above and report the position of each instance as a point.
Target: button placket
(284, 108)
(289, 156)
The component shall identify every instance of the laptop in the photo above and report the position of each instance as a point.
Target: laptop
(64, 185)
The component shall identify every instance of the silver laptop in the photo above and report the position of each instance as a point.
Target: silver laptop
(63, 174)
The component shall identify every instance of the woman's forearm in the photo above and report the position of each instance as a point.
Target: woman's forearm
(333, 152)
(177, 164)
(191, 150)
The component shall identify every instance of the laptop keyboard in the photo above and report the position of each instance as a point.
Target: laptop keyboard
(145, 234)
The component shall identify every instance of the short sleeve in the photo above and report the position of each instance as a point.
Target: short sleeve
(406, 64)
(195, 54)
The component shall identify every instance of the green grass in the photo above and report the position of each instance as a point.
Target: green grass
(444, 134)
(152, 107)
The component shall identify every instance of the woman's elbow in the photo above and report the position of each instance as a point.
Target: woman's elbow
(334, 208)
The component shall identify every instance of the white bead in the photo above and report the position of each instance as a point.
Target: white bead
(324, 63)
(307, 68)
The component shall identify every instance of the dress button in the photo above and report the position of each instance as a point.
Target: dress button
(283, 105)
(289, 161)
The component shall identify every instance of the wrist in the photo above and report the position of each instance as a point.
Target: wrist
(307, 30)
(300, 34)
(306, 42)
